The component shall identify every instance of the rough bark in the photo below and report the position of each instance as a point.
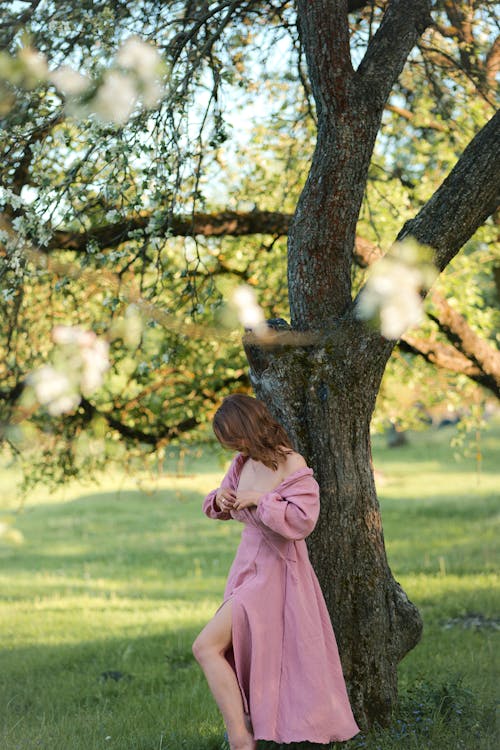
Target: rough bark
(325, 394)
(463, 202)
(349, 108)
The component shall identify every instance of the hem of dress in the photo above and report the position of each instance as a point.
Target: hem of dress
(315, 740)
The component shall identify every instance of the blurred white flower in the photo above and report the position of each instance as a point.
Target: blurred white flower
(249, 312)
(72, 335)
(116, 98)
(95, 362)
(64, 404)
(140, 56)
(151, 92)
(69, 81)
(136, 72)
(35, 62)
(145, 64)
(391, 293)
(81, 361)
(53, 389)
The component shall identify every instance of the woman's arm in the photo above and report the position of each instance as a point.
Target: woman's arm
(293, 513)
(210, 506)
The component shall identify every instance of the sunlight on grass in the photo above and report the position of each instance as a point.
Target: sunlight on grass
(119, 578)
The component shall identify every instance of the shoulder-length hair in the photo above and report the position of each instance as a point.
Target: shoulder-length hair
(244, 423)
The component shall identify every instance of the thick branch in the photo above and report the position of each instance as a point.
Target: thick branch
(324, 34)
(401, 26)
(350, 107)
(365, 253)
(354, 5)
(464, 200)
(223, 223)
(460, 20)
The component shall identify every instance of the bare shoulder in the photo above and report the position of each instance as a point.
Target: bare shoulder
(294, 462)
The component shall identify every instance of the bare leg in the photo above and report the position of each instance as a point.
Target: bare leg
(208, 650)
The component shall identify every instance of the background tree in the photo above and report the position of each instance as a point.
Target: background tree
(115, 224)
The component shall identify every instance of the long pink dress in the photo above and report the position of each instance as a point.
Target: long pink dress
(284, 651)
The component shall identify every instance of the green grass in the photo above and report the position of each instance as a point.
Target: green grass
(122, 576)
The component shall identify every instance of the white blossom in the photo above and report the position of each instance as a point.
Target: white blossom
(65, 404)
(116, 98)
(80, 362)
(72, 335)
(139, 56)
(53, 389)
(95, 362)
(91, 358)
(112, 215)
(135, 72)
(391, 292)
(250, 314)
(35, 62)
(144, 63)
(69, 81)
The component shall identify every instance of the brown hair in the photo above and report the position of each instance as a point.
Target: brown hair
(244, 423)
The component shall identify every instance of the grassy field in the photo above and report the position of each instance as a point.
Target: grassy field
(101, 602)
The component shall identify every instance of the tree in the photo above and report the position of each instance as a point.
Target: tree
(320, 373)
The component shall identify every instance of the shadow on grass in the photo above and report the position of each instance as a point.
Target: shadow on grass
(155, 678)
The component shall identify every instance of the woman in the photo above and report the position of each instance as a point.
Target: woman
(269, 653)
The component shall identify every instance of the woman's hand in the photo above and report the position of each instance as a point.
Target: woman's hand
(225, 499)
(246, 498)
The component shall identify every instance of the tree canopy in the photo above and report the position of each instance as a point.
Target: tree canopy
(341, 159)
(136, 212)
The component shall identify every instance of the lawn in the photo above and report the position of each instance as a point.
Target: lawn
(100, 603)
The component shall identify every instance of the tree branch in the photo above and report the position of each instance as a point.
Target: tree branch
(470, 354)
(465, 339)
(324, 34)
(134, 434)
(466, 198)
(354, 5)
(492, 65)
(21, 174)
(402, 25)
(223, 223)
(474, 352)
(410, 116)
(447, 357)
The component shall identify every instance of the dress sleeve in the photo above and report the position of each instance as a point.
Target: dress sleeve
(210, 507)
(293, 513)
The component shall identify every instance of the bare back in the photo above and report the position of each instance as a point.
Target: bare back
(257, 477)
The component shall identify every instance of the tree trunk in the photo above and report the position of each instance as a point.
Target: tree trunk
(326, 407)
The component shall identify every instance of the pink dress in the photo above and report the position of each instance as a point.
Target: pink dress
(284, 651)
